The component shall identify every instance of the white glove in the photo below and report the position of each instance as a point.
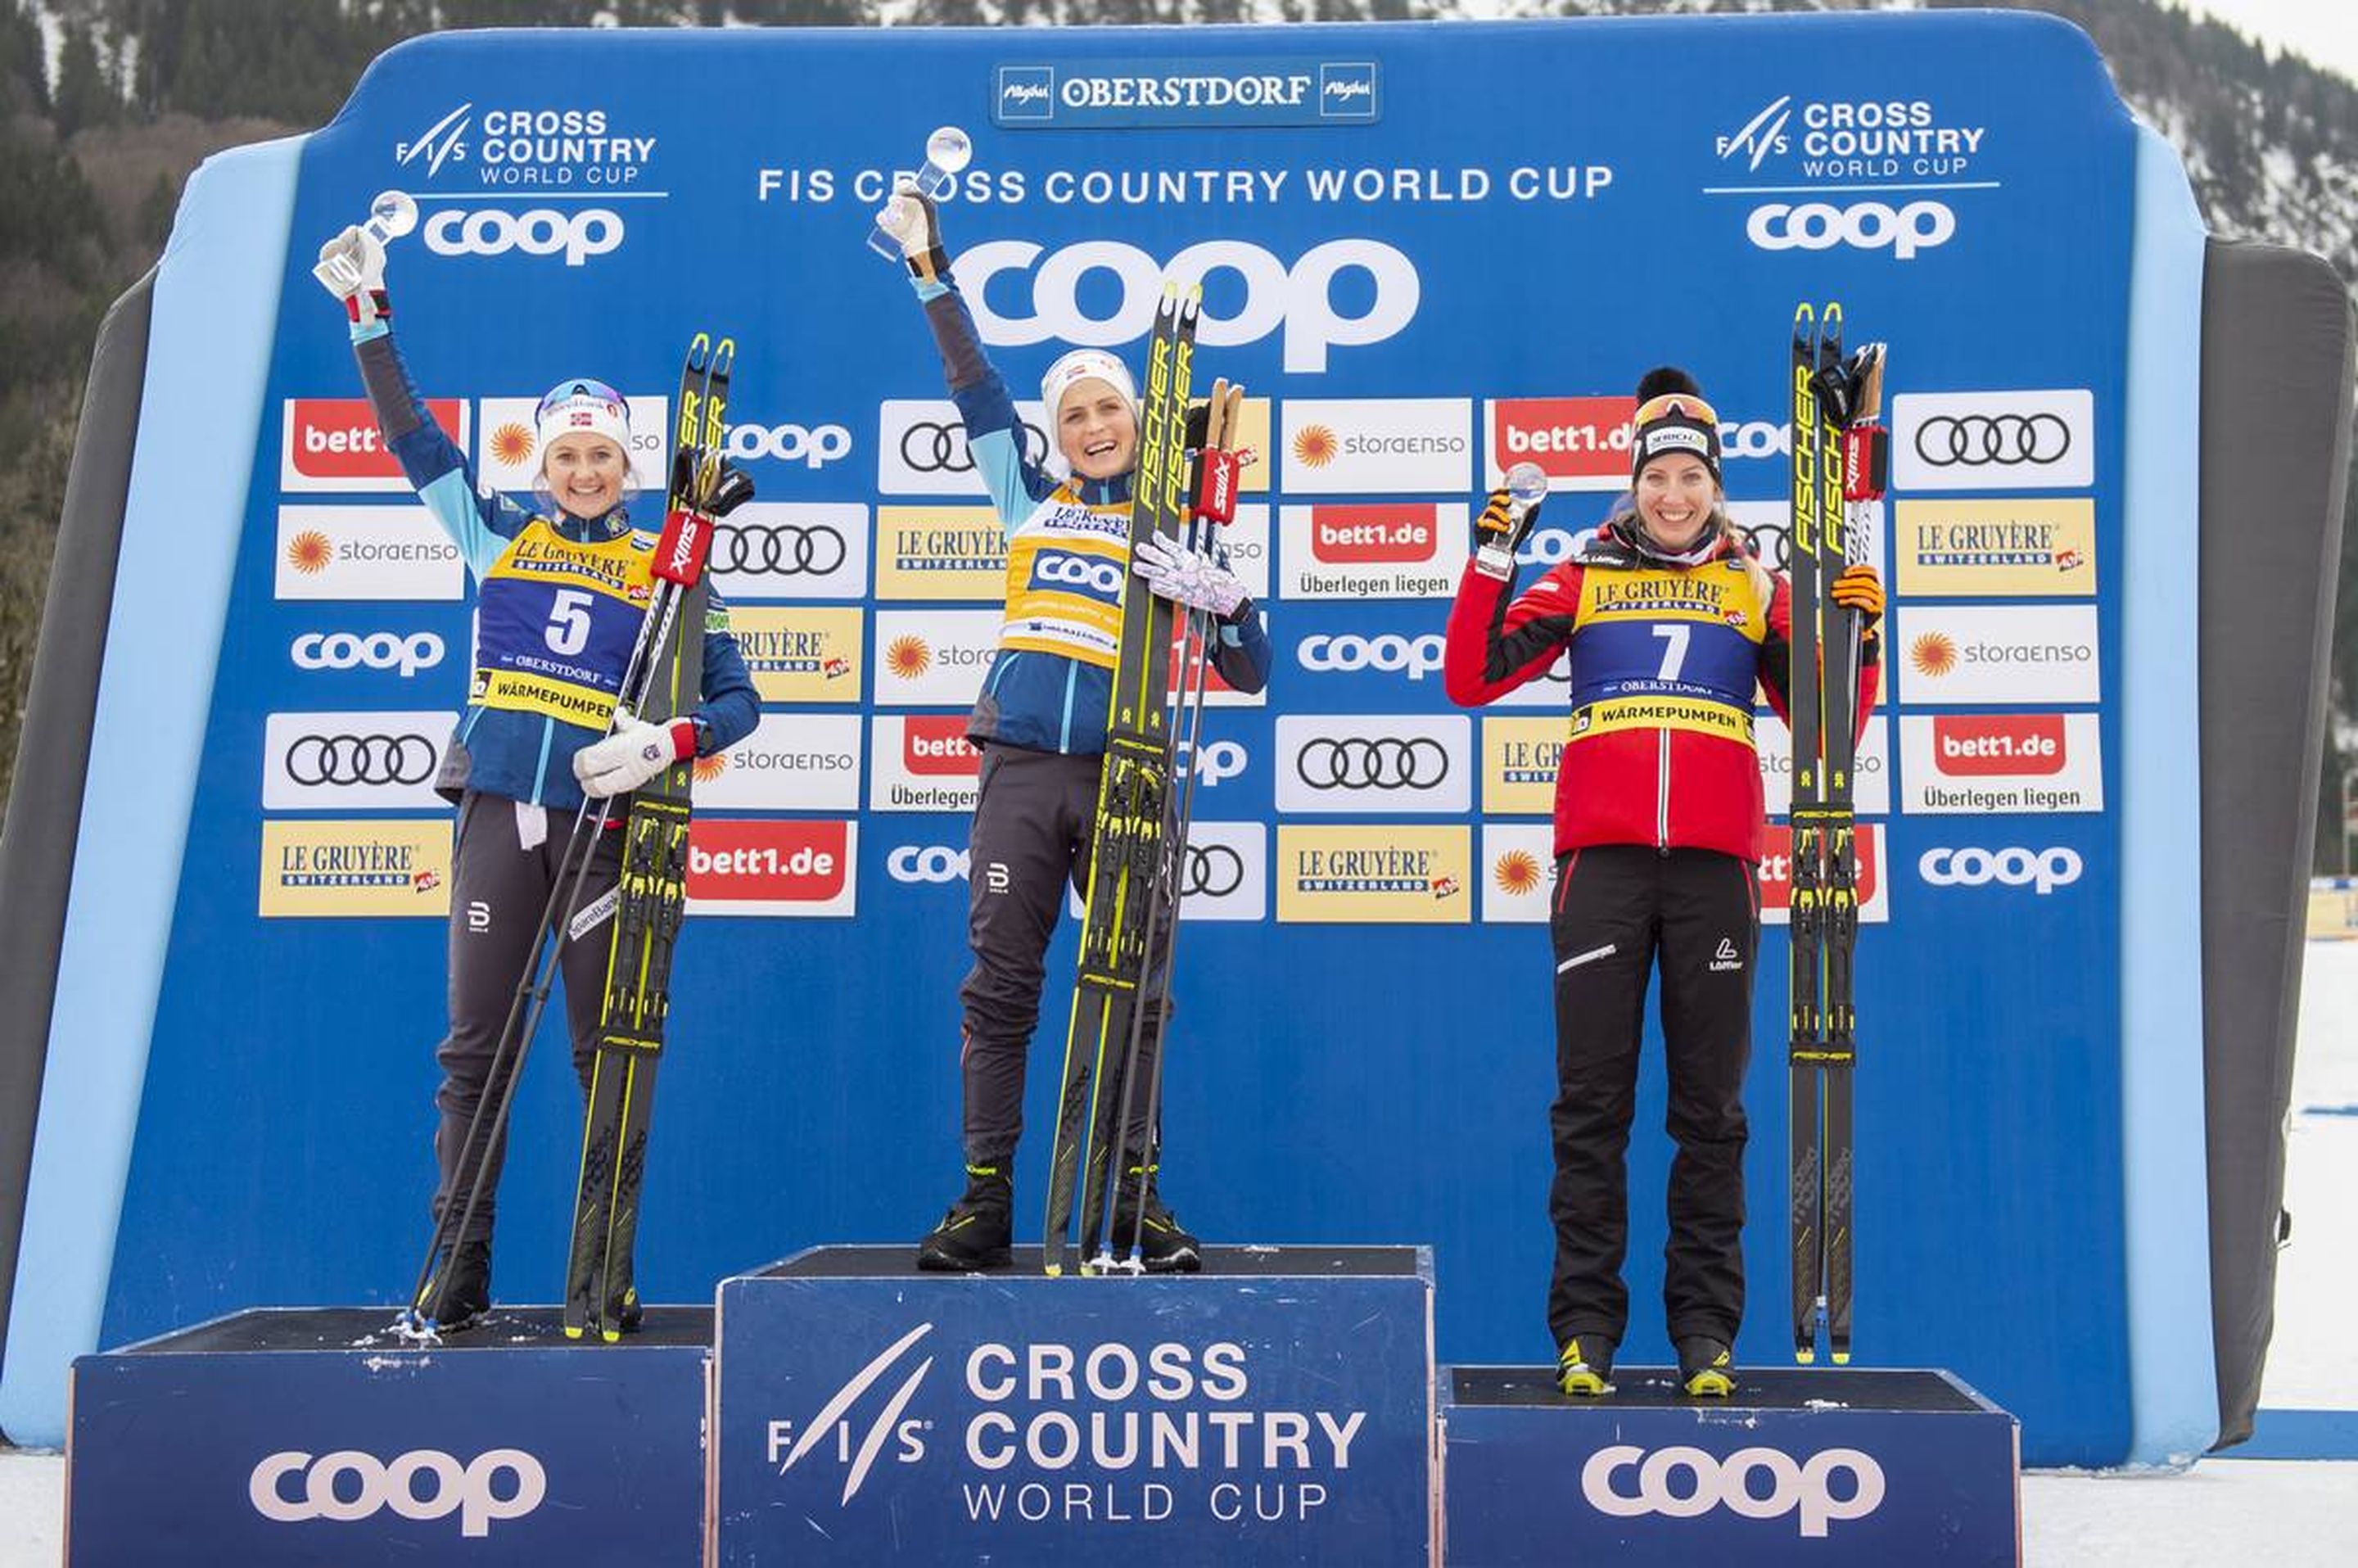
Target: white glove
(1183, 577)
(351, 267)
(911, 218)
(635, 752)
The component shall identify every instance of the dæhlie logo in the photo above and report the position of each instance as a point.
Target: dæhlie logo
(908, 657)
(347, 1484)
(1975, 745)
(1795, 1487)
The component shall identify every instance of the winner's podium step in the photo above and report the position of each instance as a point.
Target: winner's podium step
(317, 1434)
(1275, 1408)
(1847, 1465)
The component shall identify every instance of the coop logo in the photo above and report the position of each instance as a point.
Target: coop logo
(576, 235)
(1805, 1487)
(439, 144)
(770, 868)
(813, 446)
(1296, 299)
(371, 650)
(1864, 225)
(925, 863)
(788, 1448)
(422, 1484)
(2041, 870)
(1219, 762)
(1390, 652)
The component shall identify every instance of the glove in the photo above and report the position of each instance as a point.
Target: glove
(911, 218)
(1858, 587)
(731, 486)
(1497, 534)
(1183, 577)
(351, 267)
(635, 752)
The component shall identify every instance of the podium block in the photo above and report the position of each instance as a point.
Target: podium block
(306, 1435)
(1276, 1408)
(1817, 1466)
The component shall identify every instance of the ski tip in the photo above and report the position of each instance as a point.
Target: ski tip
(698, 348)
(724, 354)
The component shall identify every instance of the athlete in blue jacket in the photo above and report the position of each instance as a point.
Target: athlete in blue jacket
(1040, 723)
(561, 593)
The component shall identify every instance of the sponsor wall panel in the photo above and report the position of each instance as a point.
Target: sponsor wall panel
(1378, 446)
(510, 456)
(772, 866)
(933, 658)
(923, 762)
(1776, 873)
(956, 553)
(341, 762)
(1993, 441)
(1872, 788)
(1981, 762)
(1520, 757)
(1374, 874)
(315, 868)
(768, 549)
(1412, 549)
(808, 654)
(1227, 874)
(333, 445)
(1582, 443)
(1518, 872)
(792, 761)
(1359, 763)
(1995, 653)
(366, 551)
(2011, 546)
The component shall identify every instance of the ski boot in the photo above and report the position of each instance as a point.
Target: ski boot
(1163, 1245)
(459, 1292)
(1707, 1368)
(975, 1233)
(1585, 1367)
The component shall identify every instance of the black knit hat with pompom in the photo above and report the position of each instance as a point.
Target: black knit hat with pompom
(1684, 423)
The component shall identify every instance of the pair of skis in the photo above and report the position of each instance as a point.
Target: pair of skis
(1130, 927)
(1841, 459)
(660, 681)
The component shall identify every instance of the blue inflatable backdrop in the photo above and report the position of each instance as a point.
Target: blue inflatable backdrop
(1422, 274)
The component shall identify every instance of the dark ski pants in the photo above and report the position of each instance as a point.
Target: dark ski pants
(1620, 911)
(498, 892)
(1031, 839)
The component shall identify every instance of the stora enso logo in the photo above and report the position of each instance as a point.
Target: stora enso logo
(1027, 93)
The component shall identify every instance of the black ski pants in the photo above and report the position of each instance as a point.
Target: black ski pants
(1033, 825)
(1621, 912)
(499, 890)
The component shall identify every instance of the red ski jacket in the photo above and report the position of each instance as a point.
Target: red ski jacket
(1664, 663)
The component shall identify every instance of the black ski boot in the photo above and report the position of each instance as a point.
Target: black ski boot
(1586, 1366)
(975, 1233)
(1163, 1245)
(1707, 1368)
(459, 1291)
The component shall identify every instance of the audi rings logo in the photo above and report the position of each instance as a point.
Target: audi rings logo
(1213, 870)
(1773, 542)
(813, 446)
(1795, 1485)
(502, 1484)
(371, 650)
(1946, 441)
(1862, 225)
(786, 549)
(930, 447)
(543, 232)
(2042, 871)
(316, 760)
(1372, 762)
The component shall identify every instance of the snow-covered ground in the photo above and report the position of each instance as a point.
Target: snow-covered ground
(2284, 1514)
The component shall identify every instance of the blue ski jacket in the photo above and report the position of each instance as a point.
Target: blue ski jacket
(502, 751)
(1033, 696)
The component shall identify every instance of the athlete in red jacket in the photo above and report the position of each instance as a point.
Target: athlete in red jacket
(1670, 623)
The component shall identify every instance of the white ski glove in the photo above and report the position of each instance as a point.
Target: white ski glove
(1183, 577)
(351, 267)
(635, 752)
(911, 218)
